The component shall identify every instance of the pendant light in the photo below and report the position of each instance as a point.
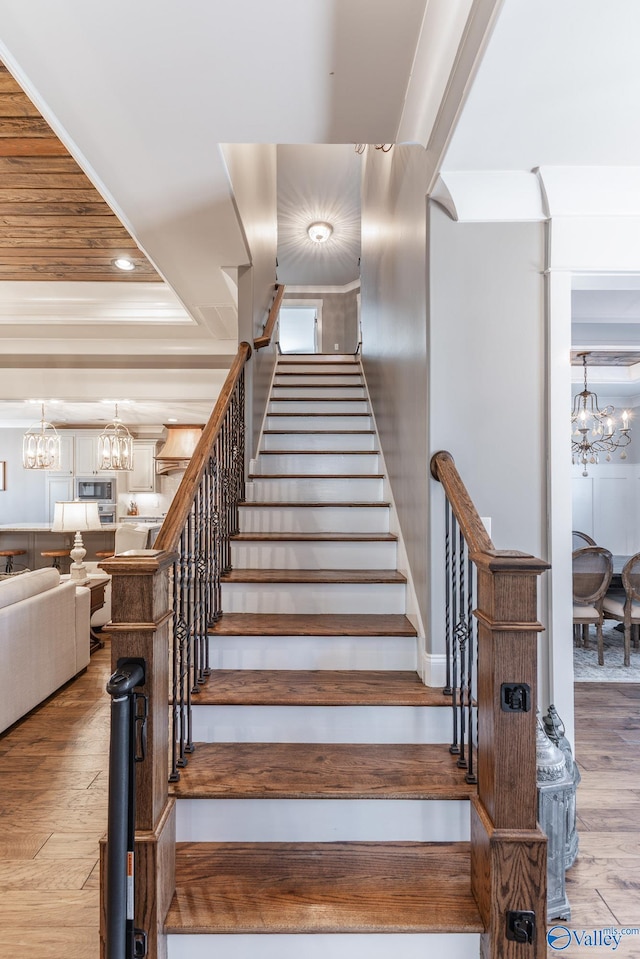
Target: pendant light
(41, 446)
(115, 446)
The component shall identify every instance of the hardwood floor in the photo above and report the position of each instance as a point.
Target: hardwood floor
(53, 806)
(604, 884)
(53, 813)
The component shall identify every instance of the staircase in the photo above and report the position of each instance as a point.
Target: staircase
(321, 813)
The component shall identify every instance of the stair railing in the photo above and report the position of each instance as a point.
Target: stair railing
(265, 338)
(508, 849)
(162, 603)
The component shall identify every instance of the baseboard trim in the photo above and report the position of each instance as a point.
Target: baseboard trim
(433, 669)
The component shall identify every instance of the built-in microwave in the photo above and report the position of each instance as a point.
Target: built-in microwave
(96, 490)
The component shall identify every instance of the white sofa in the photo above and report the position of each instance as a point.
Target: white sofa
(44, 639)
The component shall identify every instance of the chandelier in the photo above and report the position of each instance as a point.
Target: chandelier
(41, 446)
(115, 446)
(594, 430)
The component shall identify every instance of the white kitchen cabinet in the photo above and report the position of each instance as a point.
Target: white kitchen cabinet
(67, 452)
(143, 477)
(59, 490)
(86, 454)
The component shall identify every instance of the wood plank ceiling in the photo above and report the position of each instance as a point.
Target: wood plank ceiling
(54, 225)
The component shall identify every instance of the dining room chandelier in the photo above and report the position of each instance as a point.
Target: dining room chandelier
(115, 446)
(41, 446)
(594, 431)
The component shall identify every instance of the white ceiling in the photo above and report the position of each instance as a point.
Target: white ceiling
(144, 95)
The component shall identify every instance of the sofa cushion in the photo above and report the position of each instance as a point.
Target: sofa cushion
(27, 584)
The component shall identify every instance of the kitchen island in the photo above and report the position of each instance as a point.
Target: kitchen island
(36, 537)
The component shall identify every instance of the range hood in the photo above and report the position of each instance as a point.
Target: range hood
(181, 441)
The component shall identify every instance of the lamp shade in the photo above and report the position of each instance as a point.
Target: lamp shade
(75, 517)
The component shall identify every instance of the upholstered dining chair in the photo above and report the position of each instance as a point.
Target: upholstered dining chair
(592, 569)
(624, 605)
(580, 540)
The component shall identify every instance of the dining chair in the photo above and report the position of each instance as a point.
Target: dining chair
(624, 605)
(581, 539)
(592, 569)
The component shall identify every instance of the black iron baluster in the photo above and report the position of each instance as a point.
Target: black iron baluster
(454, 748)
(447, 594)
(189, 596)
(462, 637)
(471, 658)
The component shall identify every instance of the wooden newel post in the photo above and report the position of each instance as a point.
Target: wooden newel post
(141, 618)
(508, 849)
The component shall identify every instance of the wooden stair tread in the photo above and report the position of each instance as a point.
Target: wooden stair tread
(313, 624)
(315, 537)
(322, 771)
(300, 504)
(318, 399)
(348, 887)
(323, 452)
(315, 476)
(318, 433)
(282, 372)
(307, 415)
(363, 576)
(316, 386)
(318, 687)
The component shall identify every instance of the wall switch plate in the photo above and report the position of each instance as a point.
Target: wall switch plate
(336, 346)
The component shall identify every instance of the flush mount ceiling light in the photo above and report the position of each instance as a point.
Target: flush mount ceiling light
(124, 263)
(319, 232)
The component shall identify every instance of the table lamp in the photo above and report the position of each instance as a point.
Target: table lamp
(76, 518)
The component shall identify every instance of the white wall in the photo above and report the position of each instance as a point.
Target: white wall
(24, 499)
(252, 172)
(394, 337)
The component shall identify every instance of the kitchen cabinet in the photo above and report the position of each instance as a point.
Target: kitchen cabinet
(67, 448)
(86, 454)
(143, 477)
(59, 489)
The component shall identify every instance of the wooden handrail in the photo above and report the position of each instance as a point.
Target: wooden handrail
(267, 333)
(443, 469)
(174, 522)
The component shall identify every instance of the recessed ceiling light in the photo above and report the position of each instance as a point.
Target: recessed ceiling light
(172, 419)
(319, 232)
(124, 263)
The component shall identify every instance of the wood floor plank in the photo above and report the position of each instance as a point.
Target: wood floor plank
(54, 941)
(321, 770)
(46, 875)
(313, 624)
(320, 687)
(21, 844)
(71, 845)
(329, 887)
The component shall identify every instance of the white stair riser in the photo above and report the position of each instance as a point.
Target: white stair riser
(321, 820)
(326, 946)
(313, 652)
(321, 724)
(318, 463)
(314, 441)
(313, 598)
(310, 519)
(317, 392)
(315, 378)
(343, 422)
(315, 490)
(318, 406)
(313, 555)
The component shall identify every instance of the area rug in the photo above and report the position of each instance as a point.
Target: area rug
(585, 661)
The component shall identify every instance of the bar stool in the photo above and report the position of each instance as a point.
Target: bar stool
(9, 554)
(56, 555)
